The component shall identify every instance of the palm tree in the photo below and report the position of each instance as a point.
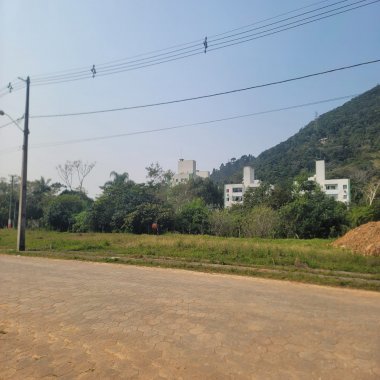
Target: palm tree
(117, 178)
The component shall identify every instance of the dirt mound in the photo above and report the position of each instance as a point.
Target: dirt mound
(364, 239)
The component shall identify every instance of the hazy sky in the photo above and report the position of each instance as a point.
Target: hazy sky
(45, 36)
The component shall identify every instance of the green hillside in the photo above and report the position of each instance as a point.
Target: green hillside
(347, 138)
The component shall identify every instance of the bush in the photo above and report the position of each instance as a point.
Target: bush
(82, 222)
(61, 211)
(140, 220)
(193, 218)
(314, 215)
(360, 215)
(223, 223)
(261, 221)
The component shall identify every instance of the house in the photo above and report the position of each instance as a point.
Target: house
(339, 189)
(234, 193)
(187, 169)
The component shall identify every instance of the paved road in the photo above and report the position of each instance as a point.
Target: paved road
(80, 320)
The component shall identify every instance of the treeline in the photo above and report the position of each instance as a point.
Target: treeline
(298, 210)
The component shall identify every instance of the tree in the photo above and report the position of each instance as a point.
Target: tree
(82, 170)
(360, 214)
(82, 222)
(256, 196)
(261, 221)
(61, 211)
(117, 178)
(120, 197)
(72, 169)
(313, 214)
(39, 193)
(65, 172)
(223, 222)
(193, 218)
(371, 190)
(207, 190)
(203, 188)
(140, 220)
(157, 176)
(281, 194)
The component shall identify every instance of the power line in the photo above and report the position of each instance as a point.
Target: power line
(174, 55)
(197, 51)
(197, 41)
(330, 14)
(290, 18)
(6, 124)
(128, 66)
(11, 122)
(208, 95)
(106, 137)
(15, 87)
(198, 48)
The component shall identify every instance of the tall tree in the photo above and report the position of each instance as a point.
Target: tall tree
(74, 171)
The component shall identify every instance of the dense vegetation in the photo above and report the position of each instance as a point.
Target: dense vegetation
(195, 207)
(347, 138)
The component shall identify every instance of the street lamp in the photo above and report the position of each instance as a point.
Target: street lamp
(2, 113)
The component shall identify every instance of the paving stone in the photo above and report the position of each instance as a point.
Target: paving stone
(80, 320)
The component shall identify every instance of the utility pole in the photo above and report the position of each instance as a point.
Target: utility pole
(24, 172)
(10, 221)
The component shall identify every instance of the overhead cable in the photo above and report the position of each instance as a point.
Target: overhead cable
(155, 130)
(173, 55)
(207, 95)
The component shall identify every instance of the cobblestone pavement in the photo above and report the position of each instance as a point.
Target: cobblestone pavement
(81, 320)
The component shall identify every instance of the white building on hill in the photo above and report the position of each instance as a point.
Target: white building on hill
(339, 189)
(233, 193)
(187, 169)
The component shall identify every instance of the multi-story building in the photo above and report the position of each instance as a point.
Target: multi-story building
(234, 193)
(339, 189)
(187, 169)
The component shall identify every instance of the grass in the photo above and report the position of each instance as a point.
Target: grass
(314, 261)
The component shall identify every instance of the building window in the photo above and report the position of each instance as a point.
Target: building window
(237, 199)
(227, 199)
(331, 187)
(228, 190)
(344, 187)
(237, 189)
(344, 196)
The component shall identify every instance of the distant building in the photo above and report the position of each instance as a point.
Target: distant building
(339, 189)
(234, 193)
(187, 169)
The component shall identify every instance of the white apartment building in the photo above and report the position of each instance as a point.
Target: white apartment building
(233, 193)
(187, 169)
(339, 189)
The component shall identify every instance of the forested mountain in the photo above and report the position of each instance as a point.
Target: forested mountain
(347, 138)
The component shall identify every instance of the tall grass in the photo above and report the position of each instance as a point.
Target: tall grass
(267, 253)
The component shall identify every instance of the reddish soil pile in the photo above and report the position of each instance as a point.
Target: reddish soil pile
(364, 239)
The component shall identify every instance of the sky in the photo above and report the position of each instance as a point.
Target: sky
(41, 37)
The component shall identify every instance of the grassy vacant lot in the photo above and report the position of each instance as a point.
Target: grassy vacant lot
(313, 261)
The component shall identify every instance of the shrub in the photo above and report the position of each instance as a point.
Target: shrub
(261, 221)
(61, 211)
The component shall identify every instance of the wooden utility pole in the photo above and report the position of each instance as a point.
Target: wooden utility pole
(24, 173)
